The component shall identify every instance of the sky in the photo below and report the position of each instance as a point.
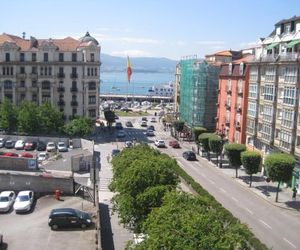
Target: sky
(151, 28)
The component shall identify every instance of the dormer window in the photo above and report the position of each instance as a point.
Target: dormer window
(287, 28)
(229, 68)
(241, 68)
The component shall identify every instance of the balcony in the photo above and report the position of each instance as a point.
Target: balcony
(33, 89)
(238, 125)
(74, 89)
(74, 75)
(21, 88)
(61, 75)
(240, 92)
(227, 123)
(21, 75)
(239, 110)
(61, 103)
(60, 89)
(269, 58)
(228, 90)
(289, 57)
(74, 103)
(33, 75)
(227, 105)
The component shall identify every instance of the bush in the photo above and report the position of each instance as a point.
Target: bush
(198, 131)
(251, 161)
(233, 152)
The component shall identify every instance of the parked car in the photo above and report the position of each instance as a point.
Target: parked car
(9, 144)
(128, 144)
(129, 124)
(42, 156)
(151, 127)
(144, 119)
(153, 119)
(26, 155)
(115, 152)
(9, 154)
(2, 142)
(24, 201)
(7, 199)
(41, 146)
(61, 146)
(51, 146)
(121, 133)
(150, 132)
(68, 217)
(189, 155)
(19, 145)
(160, 143)
(30, 145)
(119, 125)
(143, 124)
(126, 109)
(174, 144)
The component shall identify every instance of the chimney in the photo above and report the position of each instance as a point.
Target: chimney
(23, 35)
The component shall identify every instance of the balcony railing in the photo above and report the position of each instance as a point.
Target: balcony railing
(21, 75)
(33, 75)
(293, 56)
(269, 58)
(74, 103)
(74, 75)
(60, 89)
(228, 106)
(61, 75)
(74, 89)
(61, 103)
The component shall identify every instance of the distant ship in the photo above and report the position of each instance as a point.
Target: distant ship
(162, 89)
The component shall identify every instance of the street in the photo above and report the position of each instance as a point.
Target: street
(276, 227)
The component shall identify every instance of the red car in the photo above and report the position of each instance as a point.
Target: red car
(9, 154)
(174, 144)
(26, 155)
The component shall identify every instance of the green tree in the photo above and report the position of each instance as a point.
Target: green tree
(233, 152)
(110, 117)
(280, 168)
(178, 127)
(50, 118)
(251, 161)
(8, 116)
(204, 142)
(28, 119)
(198, 131)
(79, 127)
(216, 145)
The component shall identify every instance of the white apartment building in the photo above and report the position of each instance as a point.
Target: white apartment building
(273, 120)
(64, 72)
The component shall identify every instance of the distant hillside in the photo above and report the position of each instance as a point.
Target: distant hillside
(138, 64)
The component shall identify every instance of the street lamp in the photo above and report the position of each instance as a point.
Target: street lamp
(222, 135)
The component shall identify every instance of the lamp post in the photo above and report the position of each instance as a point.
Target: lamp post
(222, 135)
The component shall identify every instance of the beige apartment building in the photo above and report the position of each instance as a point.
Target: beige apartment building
(64, 72)
(273, 119)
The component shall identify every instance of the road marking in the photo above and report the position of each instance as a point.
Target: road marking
(290, 243)
(222, 190)
(248, 210)
(234, 199)
(265, 224)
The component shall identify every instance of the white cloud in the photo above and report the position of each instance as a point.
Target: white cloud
(210, 43)
(136, 40)
(246, 45)
(180, 43)
(132, 53)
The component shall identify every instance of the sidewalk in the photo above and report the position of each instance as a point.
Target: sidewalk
(260, 187)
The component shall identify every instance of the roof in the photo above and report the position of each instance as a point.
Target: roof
(64, 44)
(244, 59)
(225, 53)
(294, 18)
(235, 67)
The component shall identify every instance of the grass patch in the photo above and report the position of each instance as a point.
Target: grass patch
(123, 113)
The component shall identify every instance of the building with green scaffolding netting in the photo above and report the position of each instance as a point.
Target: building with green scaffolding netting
(198, 93)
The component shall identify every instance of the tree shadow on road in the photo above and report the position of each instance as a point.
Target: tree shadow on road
(107, 241)
(293, 204)
(266, 189)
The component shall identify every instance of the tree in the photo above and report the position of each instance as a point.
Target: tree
(251, 161)
(233, 152)
(198, 131)
(178, 126)
(110, 117)
(280, 168)
(8, 116)
(204, 142)
(79, 127)
(50, 118)
(215, 145)
(28, 120)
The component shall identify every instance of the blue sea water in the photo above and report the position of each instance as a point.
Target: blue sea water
(116, 82)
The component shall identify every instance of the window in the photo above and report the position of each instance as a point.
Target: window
(7, 57)
(270, 73)
(268, 113)
(74, 57)
(92, 112)
(11, 71)
(268, 91)
(33, 70)
(74, 98)
(22, 84)
(50, 71)
(22, 57)
(46, 98)
(92, 86)
(8, 84)
(228, 86)
(92, 99)
(287, 118)
(74, 84)
(253, 74)
(33, 57)
(229, 68)
(74, 112)
(92, 57)
(253, 91)
(46, 71)
(298, 141)
(3, 71)
(285, 139)
(42, 71)
(34, 84)
(266, 131)
(22, 70)
(45, 57)
(241, 69)
(34, 98)
(61, 70)
(240, 86)
(289, 95)
(74, 70)
(88, 71)
(287, 28)
(252, 109)
(92, 71)
(22, 97)
(96, 71)
(290, 74)
(61, 57)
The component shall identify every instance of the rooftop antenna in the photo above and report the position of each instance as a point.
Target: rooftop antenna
(23, 34)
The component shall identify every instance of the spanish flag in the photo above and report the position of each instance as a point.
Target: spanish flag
(129, 71)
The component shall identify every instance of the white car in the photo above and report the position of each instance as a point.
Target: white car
(7, 199)
(153, 119)
(20, 144)
(42, 156)
(143, 124)
(128, 144)
(2, 142)
(24, 201)
(51, 146)
(160, 143)
(61, 146)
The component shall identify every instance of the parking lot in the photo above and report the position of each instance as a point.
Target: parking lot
(31, 230)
